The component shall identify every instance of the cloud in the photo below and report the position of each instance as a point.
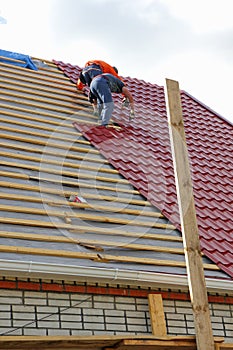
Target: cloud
(3, 20)
(139, 33)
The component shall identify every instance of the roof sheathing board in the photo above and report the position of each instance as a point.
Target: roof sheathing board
(145, 160)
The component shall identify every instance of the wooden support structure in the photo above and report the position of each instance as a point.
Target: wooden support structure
(104, 343)
(158, 323)
(196, 279)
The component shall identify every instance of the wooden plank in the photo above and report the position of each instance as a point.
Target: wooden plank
(224, 346)
(48, 90)
(42, 81)
(5, 58)
(98, 257)
(48, 144)
(73, 136)
(45, 114)
(41, 104)
(43, 92)
(51, 152)
(42, 76)
(95, 244)
(42, 188)
(51, 136)
(60, 129)
(14, 175)
(62, 172)
(93, 229)
(47, 160)
(50, 101)
(83, 216)
(129, 344)
(76, 185)
(93, 342)
(196, 279)
(158, 322)
(92, 206)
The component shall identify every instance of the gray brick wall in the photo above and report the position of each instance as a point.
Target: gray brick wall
(46, 313)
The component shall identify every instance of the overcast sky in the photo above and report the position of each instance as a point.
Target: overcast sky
(185, 40)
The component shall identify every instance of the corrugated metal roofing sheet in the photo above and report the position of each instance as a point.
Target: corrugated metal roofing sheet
(141, 153)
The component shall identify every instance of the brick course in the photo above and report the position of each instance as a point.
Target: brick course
(73, 311)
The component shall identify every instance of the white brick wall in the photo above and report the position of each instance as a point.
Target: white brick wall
(46, 313)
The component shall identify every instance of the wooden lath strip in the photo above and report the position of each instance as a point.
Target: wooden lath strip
(62, 172)
(41, 121)
(94, 256)
(87, 229)
(47, 92)
(84, 216)
(48, 144)
(42, 189)
(91, 256)
(14, 175)
(46, 160)
(87, 242)
(45, 114)
(72, 92)
(56, 202)
(45, 76)
(49, 151)
(76, 185)
(42, 103)
(53, 135)
(10, 59)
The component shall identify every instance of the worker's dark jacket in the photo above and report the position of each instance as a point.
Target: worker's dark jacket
(90, 72)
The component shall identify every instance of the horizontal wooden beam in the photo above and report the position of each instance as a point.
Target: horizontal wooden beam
(51, 137)
(41, 103)
(62, 202)
(39, 76)
(48, 144)
(47, 92)
(62, 84)
(44, 151)
(42, 99)
(93, 342)
(62, 172)
(84, 216)
(90, 243)
(44, 189)
(32, 118)
(87, 229)
(73, 135)
(47, 160)
(31, 112)
(98, 257)
(103, 342)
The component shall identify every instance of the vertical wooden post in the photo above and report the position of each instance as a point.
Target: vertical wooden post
(158, 323)
(195, 271)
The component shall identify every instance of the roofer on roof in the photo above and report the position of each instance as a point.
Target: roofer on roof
(101, 88)
(103, 66)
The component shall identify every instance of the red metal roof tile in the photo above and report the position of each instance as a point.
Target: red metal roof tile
(141, 153)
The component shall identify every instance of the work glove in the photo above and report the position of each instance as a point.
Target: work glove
(125, 102)
(132, 114)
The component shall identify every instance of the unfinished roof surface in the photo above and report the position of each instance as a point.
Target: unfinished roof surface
(140, 150)
(45, 162)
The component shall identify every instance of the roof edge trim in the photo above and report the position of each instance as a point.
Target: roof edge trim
(116, 276)
(207, 107)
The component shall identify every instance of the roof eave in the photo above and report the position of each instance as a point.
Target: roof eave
(30, 269)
